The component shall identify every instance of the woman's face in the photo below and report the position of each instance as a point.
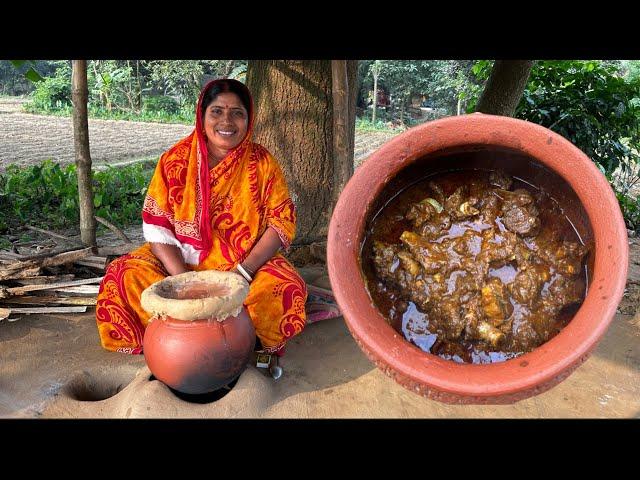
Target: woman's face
(225, 123)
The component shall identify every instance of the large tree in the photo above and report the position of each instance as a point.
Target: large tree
(295, 121)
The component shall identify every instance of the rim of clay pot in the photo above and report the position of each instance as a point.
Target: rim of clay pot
(215, 295)
(515, 378)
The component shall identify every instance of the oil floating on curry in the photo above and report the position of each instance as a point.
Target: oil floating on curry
(475, 266)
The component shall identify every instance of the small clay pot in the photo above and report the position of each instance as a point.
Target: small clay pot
(201, 337)
(530, 152)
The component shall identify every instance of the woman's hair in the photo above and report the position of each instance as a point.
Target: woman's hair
(225, 86)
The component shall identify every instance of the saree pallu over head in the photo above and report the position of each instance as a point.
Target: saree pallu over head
(216, 215)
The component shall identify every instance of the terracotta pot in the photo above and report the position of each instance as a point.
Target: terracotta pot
(530, 152)
(202, 336)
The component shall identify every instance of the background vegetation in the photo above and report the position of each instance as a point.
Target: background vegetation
(595, 104)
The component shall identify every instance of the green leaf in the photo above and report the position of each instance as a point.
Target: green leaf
(17, 63)
(33, 76)
(97, 200)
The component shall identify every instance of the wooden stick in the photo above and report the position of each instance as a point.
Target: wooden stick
(113, 228)
(10, 256)
(79, 291)
(49, 300)
(32, 288)
(51, 253)
(42, 279)
(49, 310)
(47, 261)
(84, 263)
(52, 234)
(19, 274)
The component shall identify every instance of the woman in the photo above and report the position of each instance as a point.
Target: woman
(216, 201)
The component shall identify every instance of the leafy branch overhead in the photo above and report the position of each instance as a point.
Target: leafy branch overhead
(28, 69)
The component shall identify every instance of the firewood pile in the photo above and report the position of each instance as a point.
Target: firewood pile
(62, 277)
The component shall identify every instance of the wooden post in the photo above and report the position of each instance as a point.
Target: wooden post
(343, 161)
(80, 96)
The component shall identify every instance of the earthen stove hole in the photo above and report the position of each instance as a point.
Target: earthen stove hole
(203, 398)
(94, 387)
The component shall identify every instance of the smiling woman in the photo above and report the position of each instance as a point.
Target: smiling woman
(217, 201)
(225, 123)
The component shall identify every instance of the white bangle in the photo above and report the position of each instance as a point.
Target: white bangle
(244, 273)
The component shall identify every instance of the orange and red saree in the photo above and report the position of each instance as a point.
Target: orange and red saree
(215, 216)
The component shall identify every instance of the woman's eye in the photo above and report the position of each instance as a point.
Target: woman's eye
(238, 114)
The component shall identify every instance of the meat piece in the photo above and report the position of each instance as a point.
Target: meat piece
(458, 204)
(430, 255)
(498, 248)
(421, 212)
(500, 179)
(528, 282)
(389, 266)
(447, 318)
(522, 220)
(489, 206)
(524, 337)
(490, 334)
(519, 197)
(478, 329)
(408, 263)
(565, 256)
(495, 301)
(462, 285)
(468, 244)
(561, 293)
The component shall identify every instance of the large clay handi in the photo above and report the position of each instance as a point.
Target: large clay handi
(200, 337)
(526, 151)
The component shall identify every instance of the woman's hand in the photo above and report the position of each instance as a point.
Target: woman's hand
(264, 249)
(171, 258)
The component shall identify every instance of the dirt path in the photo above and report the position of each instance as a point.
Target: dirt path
(27, 139)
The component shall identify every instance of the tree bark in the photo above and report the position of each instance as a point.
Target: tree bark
(80, 95)
(505, 86)
(294, 121)
(375, 95)
(342, 136)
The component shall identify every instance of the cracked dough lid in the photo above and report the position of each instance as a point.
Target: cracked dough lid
(196, 295)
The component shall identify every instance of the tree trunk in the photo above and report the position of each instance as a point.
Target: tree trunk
(228, 68)
(139, 92)
(505, 86)
(80, 95)
(294, 121)
(342, 137)
(375, 95)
